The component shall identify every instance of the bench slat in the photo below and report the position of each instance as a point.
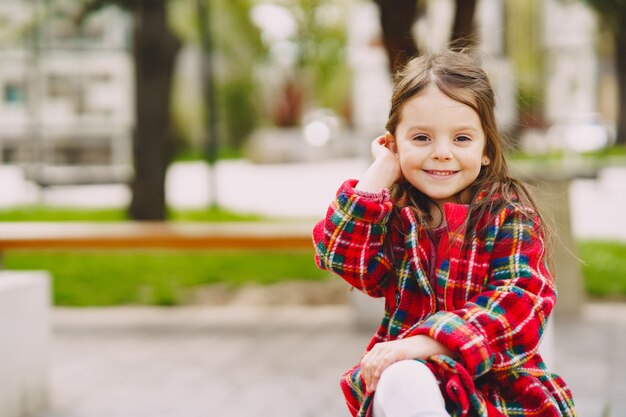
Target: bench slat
(89, 235)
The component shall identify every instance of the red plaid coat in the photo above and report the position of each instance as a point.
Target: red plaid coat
(489, 303)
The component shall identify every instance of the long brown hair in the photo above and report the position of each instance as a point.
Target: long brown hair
(460, 77)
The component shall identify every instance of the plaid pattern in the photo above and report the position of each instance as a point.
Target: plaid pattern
(490, 302)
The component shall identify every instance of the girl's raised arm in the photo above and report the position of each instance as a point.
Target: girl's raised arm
(349, 241)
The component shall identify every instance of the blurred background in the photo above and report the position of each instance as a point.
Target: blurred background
(140, 97)
(254, 111)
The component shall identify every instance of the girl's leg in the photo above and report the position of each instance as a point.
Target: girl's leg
(408, 389)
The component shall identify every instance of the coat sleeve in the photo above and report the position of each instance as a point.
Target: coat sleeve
(349, 241)
(501, 327)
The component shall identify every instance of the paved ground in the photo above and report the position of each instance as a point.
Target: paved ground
(273, 362)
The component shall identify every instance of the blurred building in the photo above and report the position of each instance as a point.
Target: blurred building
(66, 102)
(572, 66)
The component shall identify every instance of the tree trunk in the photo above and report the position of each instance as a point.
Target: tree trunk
(463, 35)
(397, 18)
(155, 49)
(620, 70)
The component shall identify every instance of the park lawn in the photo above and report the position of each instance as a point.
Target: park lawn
(604, 268)
(157, 277)
(163, 277)
(55, 214)
(152, 277)
(58, 214)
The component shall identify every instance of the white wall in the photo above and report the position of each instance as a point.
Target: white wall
(24, 342)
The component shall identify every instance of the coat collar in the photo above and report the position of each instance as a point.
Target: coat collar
(455, 215)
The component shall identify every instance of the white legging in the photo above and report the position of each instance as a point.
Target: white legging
(408, 389)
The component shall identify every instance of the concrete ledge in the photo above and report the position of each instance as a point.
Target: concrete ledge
(24, 328)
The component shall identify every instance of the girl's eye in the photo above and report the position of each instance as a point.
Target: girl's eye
(463, 138)
(421, 138)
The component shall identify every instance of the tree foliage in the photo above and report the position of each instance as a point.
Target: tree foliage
(613, 15)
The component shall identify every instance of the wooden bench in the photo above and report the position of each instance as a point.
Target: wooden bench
(175, 235)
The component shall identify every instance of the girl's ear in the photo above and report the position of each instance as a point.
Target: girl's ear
(390, 142)
(485, 161)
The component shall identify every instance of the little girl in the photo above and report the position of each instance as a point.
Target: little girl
(456, 247)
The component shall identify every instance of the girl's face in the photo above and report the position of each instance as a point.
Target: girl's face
(440, 144)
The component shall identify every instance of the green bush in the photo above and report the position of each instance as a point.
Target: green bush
(604, 268)
(239, 108)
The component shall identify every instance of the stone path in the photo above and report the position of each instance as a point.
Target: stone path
(270, 361)
(188, 362)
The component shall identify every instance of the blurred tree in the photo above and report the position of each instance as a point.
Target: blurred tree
(204, 10)
(155, 47)
(239, 48)
(397, 18)
(613, 14)
(525, 47)
(305, 62)
(235, 49)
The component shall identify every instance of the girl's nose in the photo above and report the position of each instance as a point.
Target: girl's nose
(441, 150)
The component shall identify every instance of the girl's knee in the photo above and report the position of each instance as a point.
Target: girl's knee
(406, 389)
(403, 373)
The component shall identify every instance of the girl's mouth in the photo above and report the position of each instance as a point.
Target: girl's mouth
(440, 173)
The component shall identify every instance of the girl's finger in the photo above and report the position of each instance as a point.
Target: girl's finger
(377, 372)
(365, 370)
(368, 366)
(367, 378)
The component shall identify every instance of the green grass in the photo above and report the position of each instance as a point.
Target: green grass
(195, 155)
(53, 214)
(153, 277)
(157, 277)
(556, 156)
(211, 215)
(608, 152)
(604, 271)
(50, 214)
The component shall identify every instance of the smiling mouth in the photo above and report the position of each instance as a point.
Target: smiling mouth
(440, 173)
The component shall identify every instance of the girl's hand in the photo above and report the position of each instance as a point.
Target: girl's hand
(385, 170)
(384, 354)
(384, 147)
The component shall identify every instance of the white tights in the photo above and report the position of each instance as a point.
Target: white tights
(408, 389)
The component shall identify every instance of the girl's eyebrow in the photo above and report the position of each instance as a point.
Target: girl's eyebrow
(456, 128)
(466, 128)
(419, 127)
